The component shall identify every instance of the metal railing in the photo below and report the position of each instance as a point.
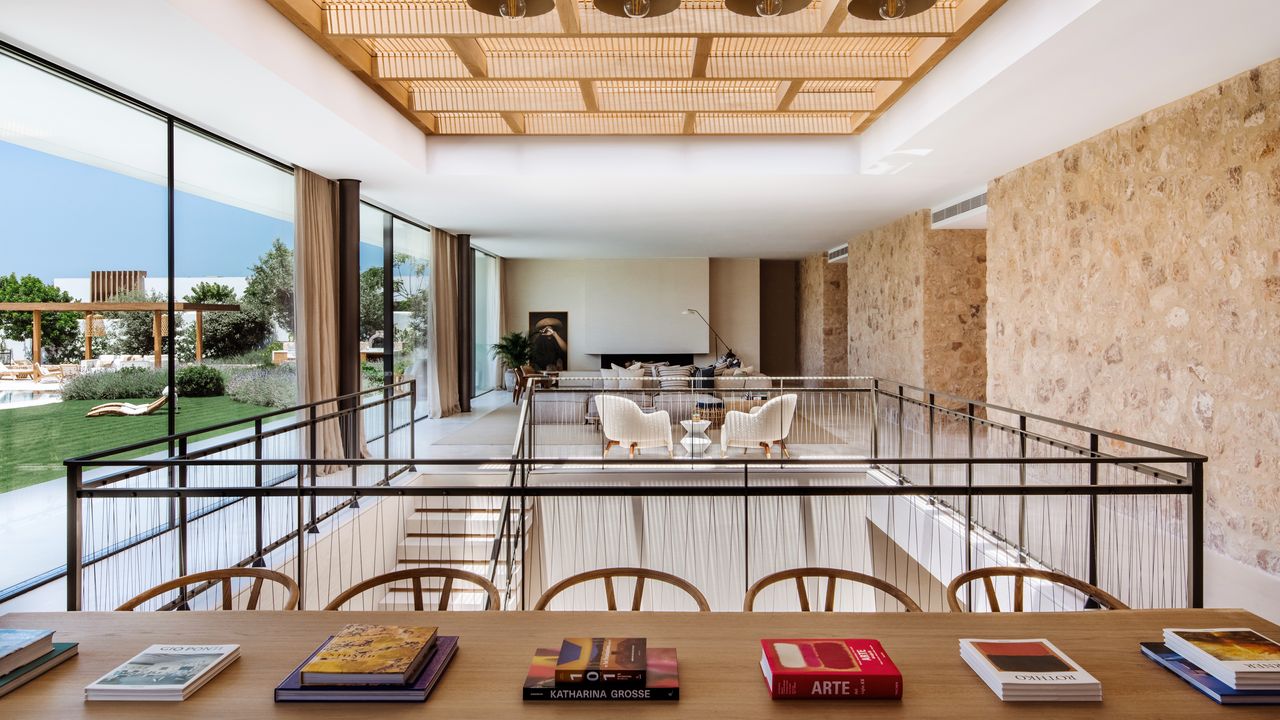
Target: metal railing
(883, 477)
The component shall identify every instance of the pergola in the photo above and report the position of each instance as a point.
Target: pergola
(89, 309)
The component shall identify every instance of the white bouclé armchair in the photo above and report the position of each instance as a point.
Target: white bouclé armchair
(625, 424)
(762, 427)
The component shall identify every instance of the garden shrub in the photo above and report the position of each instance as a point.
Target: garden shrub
(131, 383)
(266, 386)
(200, 381)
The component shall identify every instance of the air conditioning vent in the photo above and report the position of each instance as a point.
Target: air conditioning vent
(839, 254)
(963, 206)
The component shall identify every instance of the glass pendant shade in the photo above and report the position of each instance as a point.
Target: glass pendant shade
(888, 9)
(513, 9)
(637, 9)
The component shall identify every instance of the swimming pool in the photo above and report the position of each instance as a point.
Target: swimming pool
(23, 398)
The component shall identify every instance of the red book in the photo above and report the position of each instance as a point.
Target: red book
(829, 668)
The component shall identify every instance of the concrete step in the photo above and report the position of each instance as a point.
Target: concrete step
(451, 547)
(459, 523)
(460, 502)
(460, 599)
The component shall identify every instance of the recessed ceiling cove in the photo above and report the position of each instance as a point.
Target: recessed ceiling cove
(638, 67)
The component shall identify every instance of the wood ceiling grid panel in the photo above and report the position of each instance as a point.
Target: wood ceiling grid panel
(472, 124)
(702, 17)
(776, 123)
(687, 96)
(811, 57)
(585, 58)
(497, 95)
(938, 20)
(604, 124)
(846, 101)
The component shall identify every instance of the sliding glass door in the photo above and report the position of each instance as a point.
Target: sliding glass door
(486, 320)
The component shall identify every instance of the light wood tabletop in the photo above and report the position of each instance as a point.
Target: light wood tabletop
(718, 654)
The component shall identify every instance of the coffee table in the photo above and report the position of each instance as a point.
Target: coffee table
(695, 439)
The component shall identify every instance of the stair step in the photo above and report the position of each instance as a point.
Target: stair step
(435, 583)
(461, 502)
(447, 548)
(432, 521)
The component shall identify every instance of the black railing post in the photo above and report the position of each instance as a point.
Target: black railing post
(900, 424)
(182, 522)
(746, 528)
(1022, 481)
(1093, 509)
(1195, 535)
(75, 537)
(315, 450)
(968, 507)
(413, 420)
(875, 418)
(258, 561)
(387, 420)
(932, 403)
(300, 565)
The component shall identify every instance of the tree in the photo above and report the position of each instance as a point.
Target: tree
(371, 315)
(225, 333)
(132, 333)
(269, 294)
(60, 335)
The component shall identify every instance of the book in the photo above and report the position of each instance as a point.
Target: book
(1017, 670)
(1240, 657)
(370, 655)
(829, 668)
(662, 680)
(601, 660)
(163, 672)
(438, 658)
(19, 647)
(20, 676)
(1204, 682)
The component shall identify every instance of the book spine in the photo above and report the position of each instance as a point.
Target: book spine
(825, 686)
(599, 692)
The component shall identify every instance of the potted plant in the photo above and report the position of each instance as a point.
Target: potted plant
(512, 350)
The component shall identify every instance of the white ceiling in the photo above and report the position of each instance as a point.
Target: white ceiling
(1038, 76)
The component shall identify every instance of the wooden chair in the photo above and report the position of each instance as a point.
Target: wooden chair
(1099, 596)
(608, 574)
(832, 575)
(415, 576)
(224, 578)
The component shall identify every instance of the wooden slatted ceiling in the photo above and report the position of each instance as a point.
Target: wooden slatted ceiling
(699, 70)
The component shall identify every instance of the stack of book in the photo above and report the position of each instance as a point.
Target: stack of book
(371, 663)
(603, 669)
(1231, 665)
(27, 654)
(163, 672)
(1029, 670)
(827, 668)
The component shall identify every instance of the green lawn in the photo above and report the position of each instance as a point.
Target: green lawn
(35, 440)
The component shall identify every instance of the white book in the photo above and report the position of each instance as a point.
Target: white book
(1030, 669)
(19, 647)
(1242, 658)
(163, 672)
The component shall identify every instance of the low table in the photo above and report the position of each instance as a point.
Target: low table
(695, 440)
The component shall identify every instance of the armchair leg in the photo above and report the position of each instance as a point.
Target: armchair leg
(767, 453)
(608, 446)
(633, 451)
(782, 444)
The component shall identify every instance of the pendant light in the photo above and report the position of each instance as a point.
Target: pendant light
(765, 8)
(888, 9)
(513, 9)
(637, 8)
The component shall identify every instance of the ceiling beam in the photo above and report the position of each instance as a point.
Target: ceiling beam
(308, 16)
(471, 55)
(787, 94)
(701, 54)
(835, 11)
(655, 78)
(689, 123)
(568, 12)
(515, 121)
(589, 96)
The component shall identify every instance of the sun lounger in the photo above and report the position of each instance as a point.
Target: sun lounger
(129, 409)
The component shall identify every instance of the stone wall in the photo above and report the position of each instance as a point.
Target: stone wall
(917, 305)
(1134, 284)
(824, 307)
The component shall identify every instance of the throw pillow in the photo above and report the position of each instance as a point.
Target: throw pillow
(610, 378)
(675, 378)
(704, 378)
(631, 378)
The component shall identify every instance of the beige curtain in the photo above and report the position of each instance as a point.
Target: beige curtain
(316, 304)
(443, 378)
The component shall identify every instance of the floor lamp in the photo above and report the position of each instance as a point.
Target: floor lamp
(729, 356)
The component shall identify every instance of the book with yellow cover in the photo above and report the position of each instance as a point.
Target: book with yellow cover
(370, 655)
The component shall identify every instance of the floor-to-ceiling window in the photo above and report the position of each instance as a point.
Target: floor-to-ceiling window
(411, 280)
(486, 319)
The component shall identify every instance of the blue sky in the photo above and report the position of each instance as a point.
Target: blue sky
(61, 218)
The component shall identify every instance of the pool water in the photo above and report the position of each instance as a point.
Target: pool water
(26, 397)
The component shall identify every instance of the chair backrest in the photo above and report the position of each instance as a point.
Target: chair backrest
(415, 576)
(608, 574)
(832, 575)
(779, 412)
(617, 414)
(1104, 599)
(224, 578)
(159, 402)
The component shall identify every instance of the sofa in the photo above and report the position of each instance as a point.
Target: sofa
(572, 400)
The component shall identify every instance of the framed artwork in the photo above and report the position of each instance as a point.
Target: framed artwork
(549, 340)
